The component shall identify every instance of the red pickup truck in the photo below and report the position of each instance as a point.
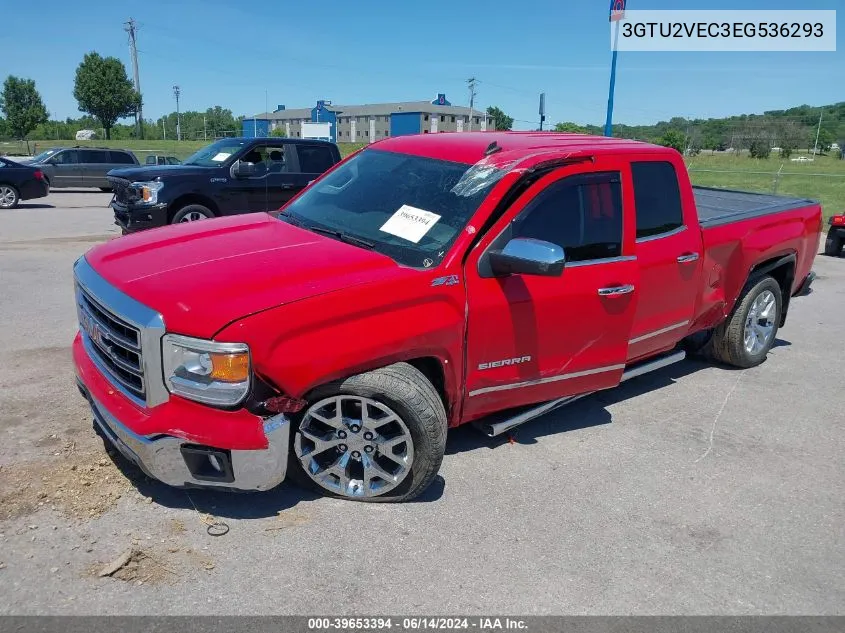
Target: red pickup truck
(425, 282)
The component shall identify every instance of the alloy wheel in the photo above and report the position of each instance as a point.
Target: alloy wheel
(7, 197)
(760, 322)
(354, 446)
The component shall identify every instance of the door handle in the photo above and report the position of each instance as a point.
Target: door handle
(286, 186)
(687, 257)
(616, 290)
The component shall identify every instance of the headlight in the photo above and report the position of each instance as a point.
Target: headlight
(206, 371)
(148, 190)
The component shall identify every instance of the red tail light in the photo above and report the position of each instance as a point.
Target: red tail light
(39, 175)
(838, 219)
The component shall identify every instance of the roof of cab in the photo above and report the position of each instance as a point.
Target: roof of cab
(470, 147)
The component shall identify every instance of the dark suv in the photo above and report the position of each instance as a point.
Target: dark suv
(81, 166)
(230, 176)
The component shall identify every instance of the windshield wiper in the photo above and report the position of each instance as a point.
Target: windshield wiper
(344, 237)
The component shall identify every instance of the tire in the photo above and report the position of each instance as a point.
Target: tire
(9, 197)
(728, 344)
(399, 389)
(192, 213)
(833, 245)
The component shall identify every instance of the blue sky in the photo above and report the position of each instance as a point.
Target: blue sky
(229, 54)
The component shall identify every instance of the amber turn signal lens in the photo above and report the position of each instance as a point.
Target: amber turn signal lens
(229, 367)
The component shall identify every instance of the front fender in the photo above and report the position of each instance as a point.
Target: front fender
(303, 345)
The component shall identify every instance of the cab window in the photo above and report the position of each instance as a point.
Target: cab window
(583, 214)
(657, 198)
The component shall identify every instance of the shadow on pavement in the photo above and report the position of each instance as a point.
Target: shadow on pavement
(233, 504)
(588, 412)
(34, 205)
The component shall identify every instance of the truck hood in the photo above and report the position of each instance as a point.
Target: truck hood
(201, 276)
(145, 173)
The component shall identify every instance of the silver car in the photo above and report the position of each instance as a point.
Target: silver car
(81, 166)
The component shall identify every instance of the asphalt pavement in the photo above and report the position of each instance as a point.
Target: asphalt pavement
(694, 490)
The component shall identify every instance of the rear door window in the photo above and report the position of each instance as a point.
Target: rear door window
(314, 159)
(657, 197)
(121, 158)
(89, 156)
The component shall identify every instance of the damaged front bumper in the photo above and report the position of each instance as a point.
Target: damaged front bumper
(179, 463)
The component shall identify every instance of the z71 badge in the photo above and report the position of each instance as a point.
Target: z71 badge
(217, 179)
(504, 362)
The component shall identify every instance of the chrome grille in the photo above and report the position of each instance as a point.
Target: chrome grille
(123, 191)
(113, 342)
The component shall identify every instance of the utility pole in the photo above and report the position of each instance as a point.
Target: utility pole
(471, 83)
(542, 109)
(131, 28)
(204, 129)
(818, 129)
(176, 92)
(163, 129)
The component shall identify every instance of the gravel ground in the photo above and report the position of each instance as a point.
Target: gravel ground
(694, 490)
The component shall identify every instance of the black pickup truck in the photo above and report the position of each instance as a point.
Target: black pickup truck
(230, 176)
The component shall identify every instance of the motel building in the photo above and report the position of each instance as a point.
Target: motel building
(367, 123)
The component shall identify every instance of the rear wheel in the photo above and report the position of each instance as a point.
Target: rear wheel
(9, 197)
(378, 436)
(192, 213)
(833, 244)
(746, 336)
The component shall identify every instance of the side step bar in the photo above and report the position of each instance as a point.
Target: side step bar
(493, 427)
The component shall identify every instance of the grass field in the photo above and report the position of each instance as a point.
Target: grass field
(822, 179)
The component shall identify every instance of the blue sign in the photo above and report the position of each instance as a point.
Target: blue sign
(441, 100)
(320, 104)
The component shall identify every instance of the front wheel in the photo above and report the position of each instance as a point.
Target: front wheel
(9, 197)
(192, 213)
(833, 244)
(746, 336)
(377, 436)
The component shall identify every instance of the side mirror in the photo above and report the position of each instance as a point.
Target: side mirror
(527, 256)
(242, 169)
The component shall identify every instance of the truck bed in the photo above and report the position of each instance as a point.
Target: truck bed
(724, 206)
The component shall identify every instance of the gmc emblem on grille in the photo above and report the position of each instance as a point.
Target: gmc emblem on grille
(91, 328)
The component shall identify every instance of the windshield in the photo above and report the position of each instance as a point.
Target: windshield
(409, 207)
(43, 156)
(215, 154)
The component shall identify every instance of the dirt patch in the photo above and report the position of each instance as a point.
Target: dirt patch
(286, 519)
(78, 485)
(153, 566)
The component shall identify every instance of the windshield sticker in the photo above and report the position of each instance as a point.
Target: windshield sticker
(221, 157)
(410, 223)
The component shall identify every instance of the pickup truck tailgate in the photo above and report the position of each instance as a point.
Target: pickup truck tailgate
(724, 206)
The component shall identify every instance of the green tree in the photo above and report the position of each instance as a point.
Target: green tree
(826, 139)
(22, 105)
(567, 126)
(760, 148)
(279, 132)
(103, 90)
(501, 120)
(674, 139)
